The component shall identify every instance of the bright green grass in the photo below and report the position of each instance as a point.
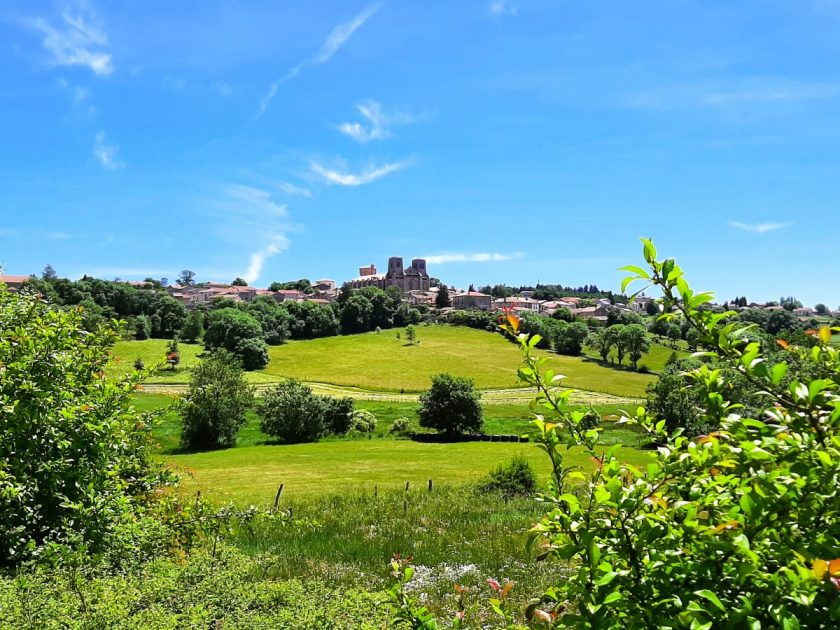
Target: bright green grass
(506, 419)
(654, 360)
(252, 470)
(153, 354)
(252, 474)
(383, 363)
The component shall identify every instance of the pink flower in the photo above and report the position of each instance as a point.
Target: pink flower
(494, 584)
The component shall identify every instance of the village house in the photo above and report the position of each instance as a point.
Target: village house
(14, 283)
(472, 300)
(521, 304)
(598, 313)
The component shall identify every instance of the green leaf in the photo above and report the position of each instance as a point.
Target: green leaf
(711, 597)
(637, 270)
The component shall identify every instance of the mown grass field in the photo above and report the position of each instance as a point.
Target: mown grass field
(252, 471)
(382, 362)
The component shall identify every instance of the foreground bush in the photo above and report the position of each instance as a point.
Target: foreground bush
(451, 406)
(213, 410)
(74, 462)
(738, 528)
(290, 412)
(517, 477)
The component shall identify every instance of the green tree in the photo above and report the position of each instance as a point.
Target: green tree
(290, 412)
(239, 333)
(619, 340)
(356, 315)
(738, 528)
(821, 309)
(253, 353)
(193, 327)
(563, 314)
(569, 338)
(782, 321)
(601, 341)
(239, 282)
(451, 406)
(442, 298)
(49, 274)
(142, 327)
(74, 458)
(172, 314)
(635, 341)
(410, 334)
(186, 278)
(338, 414)
(213, 409)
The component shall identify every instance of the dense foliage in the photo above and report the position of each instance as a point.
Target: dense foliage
(451, 406)
(162, 315)
(736, 528)
(239, 333)
(291, 412)
(73, 452)
(516, 477)
(213, 409)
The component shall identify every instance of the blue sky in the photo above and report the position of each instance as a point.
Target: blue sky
(506, 141)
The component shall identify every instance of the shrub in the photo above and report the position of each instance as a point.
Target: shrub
(142, 327)
(517, 477)
(239, 333)
(139, 364)
(338, 414)
(193, 327)
(74, 462)
(364, 422)
(292, 413)
(213, 410)
(400, 426)
(253, 353)
(568, 338)
(739, 528)
(451, 406)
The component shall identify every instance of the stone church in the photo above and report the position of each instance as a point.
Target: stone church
(413, 278)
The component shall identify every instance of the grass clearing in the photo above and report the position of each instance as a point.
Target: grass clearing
(252, 474)
(381, 362)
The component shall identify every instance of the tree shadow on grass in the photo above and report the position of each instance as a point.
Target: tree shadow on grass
(617, 367)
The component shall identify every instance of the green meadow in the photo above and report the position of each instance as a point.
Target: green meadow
(381, 362)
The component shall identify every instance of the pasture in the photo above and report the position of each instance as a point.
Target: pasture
(252, 471)
(381, 362)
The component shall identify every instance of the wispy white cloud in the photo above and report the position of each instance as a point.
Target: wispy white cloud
(442, 259)
(379, 123)
(58, 236)
(107, 154)
(77, 40)
(370, 174)
(222, 88)
(758, 228)
(291, 189)
(258, 258)
(500, 7)
(728, 93)
(175, 84)
(334, 41)
(251, 217)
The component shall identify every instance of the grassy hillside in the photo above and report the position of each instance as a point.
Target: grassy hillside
(252, 470)
(252, 474)
(384, 363)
